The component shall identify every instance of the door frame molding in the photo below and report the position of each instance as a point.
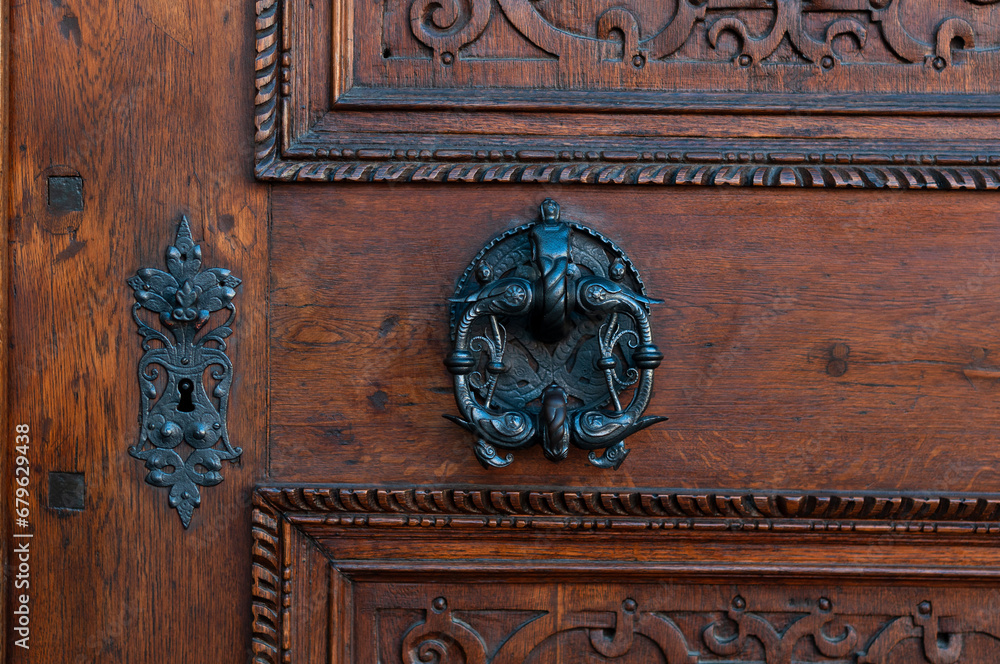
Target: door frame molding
(311, 545)
(304, 84)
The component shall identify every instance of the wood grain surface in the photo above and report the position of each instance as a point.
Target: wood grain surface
(5, 283)
(146, 102)
(812, 340)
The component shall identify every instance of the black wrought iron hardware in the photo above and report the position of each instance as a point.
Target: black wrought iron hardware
(550, 325)
(188, 404)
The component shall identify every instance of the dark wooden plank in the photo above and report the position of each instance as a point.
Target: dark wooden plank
(146, 101)
(759, 287)
(6, 472)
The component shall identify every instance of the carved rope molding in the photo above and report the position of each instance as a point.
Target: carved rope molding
(478, 508)
(266, 64)
(862, 171)
(267, 588)
(279, 158)
(726, 626)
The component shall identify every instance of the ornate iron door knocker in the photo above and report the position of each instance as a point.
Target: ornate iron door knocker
(551, 330)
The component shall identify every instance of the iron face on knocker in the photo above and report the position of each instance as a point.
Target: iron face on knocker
(552, 344)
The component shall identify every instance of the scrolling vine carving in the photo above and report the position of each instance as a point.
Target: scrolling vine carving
(779, 645)
(441, 637)
(810, 27)
(449, 26)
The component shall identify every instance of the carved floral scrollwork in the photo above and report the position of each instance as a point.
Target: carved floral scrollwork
(474, 616)
(889, 50)
(446, 26)
(778, 646)
(442, 639)
(184, 409)
(939, 646)
(788, 21)
(911, 49)
(629, 623)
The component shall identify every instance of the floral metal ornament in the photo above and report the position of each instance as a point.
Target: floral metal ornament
(188, 405)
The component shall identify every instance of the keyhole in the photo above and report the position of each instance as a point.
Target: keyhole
(186, 387)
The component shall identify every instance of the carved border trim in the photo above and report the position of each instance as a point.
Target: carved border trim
(280, 512)
(640, 510)
(266, 590)
(266, 114)
(279, 158)
(845, 171)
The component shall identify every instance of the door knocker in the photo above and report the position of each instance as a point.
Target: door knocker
(550, 325)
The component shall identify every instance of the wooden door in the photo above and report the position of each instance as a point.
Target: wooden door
(236, 235)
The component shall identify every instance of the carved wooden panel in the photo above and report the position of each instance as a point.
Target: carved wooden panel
(820, 93)
(554, 47)
(347, 574)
